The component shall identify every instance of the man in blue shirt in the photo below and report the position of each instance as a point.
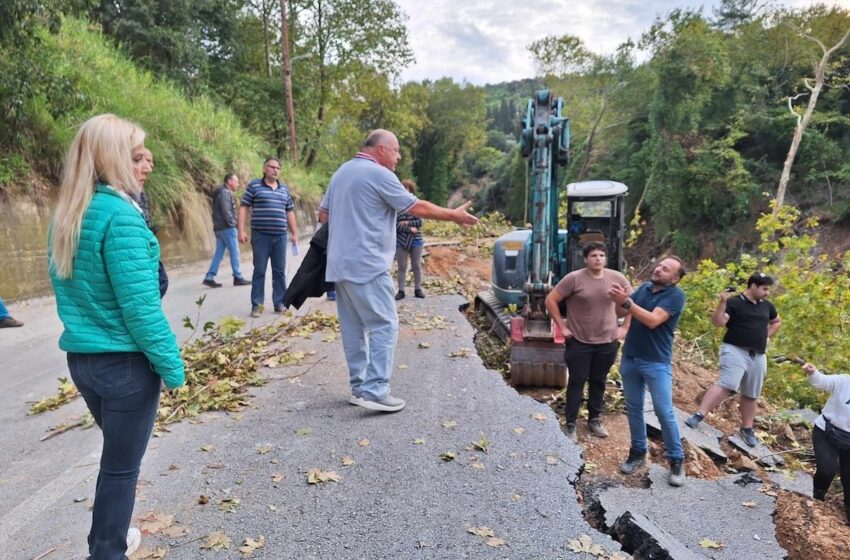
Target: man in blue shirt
(655, 308)
(272, 212)
(360, 207)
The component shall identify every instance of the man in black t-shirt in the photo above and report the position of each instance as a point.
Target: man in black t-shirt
(750, 320)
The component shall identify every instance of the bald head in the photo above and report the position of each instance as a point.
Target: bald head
(383, 146)
(377, 137)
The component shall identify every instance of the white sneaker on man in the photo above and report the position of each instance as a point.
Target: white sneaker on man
(134, 540)
(386, 404)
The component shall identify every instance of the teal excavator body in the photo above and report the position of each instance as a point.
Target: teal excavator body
(528, 263)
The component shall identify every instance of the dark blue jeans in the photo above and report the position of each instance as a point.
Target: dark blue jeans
(268, 247)
(225, 239)
(122, 392)
(638, 376)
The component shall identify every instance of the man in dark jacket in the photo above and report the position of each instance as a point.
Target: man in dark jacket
(224, 225)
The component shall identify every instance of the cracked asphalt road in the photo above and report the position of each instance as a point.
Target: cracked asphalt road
(398, 499)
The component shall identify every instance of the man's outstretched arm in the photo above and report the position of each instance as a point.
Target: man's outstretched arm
(430, 211)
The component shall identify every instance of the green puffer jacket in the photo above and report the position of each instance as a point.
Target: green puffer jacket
(111, 302)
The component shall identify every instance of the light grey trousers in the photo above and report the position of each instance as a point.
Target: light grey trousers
(415, 255)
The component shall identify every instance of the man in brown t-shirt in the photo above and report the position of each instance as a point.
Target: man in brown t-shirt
(591, 332)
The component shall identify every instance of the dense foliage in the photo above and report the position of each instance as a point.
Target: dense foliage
(701, 129)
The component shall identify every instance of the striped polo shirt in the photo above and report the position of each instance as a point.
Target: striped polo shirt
(268, 206)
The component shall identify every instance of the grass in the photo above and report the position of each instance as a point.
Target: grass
(195, 141)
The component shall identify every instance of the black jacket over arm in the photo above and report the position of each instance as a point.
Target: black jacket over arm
(309, 281)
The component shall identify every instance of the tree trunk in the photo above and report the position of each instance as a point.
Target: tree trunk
(287, 81)
(585, 167)
(803, 122)
(320, 114)
(266, 41)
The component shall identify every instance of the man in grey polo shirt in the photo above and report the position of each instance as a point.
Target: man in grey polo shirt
(360, 208)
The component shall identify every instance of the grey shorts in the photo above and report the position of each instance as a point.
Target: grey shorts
(742, 370)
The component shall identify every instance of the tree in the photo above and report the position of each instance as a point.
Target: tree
(456, 120)
(181, 39)
(344, 37)
(20, 44)
(573, 68)
(731, 14)
(803, 120)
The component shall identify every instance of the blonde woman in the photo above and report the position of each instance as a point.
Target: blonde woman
(103, 267)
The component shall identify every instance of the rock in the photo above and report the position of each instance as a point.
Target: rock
(746, 463)
(638, 534)
(760, 453)
(798, 481)
(702, 509)
(705, 437)
(801, 416)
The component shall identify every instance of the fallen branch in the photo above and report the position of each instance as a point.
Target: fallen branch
(806, 450)
(62, 429)
(306, 371)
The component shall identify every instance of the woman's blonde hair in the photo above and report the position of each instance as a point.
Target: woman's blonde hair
(102, 152)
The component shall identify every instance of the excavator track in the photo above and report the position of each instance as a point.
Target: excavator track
(489, 306)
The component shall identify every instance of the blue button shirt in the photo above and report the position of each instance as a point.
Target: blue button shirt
(655, 345)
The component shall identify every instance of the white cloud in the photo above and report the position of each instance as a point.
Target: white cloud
(485, 41)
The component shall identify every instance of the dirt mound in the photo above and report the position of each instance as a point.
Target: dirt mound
(809, 529)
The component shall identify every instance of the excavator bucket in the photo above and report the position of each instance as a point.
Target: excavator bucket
(538, 364)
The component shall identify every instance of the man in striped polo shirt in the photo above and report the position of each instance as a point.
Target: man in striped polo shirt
(272, 212)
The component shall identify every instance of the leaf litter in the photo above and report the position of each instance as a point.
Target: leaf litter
(221, 365)
(317, 476)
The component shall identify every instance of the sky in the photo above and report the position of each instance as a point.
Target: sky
(485, 41)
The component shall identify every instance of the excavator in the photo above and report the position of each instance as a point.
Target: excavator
(528, 263)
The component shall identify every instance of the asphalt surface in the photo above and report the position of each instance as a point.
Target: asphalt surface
(690, 514)
(398, 499)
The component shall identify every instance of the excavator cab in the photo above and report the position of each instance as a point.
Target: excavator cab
(595, 212)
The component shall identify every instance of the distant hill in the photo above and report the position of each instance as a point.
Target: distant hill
(506, 103)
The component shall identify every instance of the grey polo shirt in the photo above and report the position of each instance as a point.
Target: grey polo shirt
(362, 201)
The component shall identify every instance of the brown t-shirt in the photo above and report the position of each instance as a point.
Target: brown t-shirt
(591, 313)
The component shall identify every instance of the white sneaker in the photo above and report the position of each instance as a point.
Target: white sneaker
(387, 404)
(134, 539)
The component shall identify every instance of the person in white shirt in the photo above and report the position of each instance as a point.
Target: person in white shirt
(831, 434)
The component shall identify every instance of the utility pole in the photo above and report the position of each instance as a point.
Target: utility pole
(287, 81)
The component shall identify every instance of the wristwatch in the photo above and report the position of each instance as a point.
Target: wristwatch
(627, 304)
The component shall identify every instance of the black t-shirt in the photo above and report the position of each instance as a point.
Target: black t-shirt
(747, 325)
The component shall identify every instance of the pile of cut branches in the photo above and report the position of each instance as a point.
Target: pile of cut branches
(220, 367)
(224, 362)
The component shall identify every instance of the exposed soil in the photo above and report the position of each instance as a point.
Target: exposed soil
(806, 528)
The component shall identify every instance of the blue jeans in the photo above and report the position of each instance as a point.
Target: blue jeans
(268, 247)
(639, 375)
(368, 323)
(3, 311)
(225, 239)
(122, 392)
